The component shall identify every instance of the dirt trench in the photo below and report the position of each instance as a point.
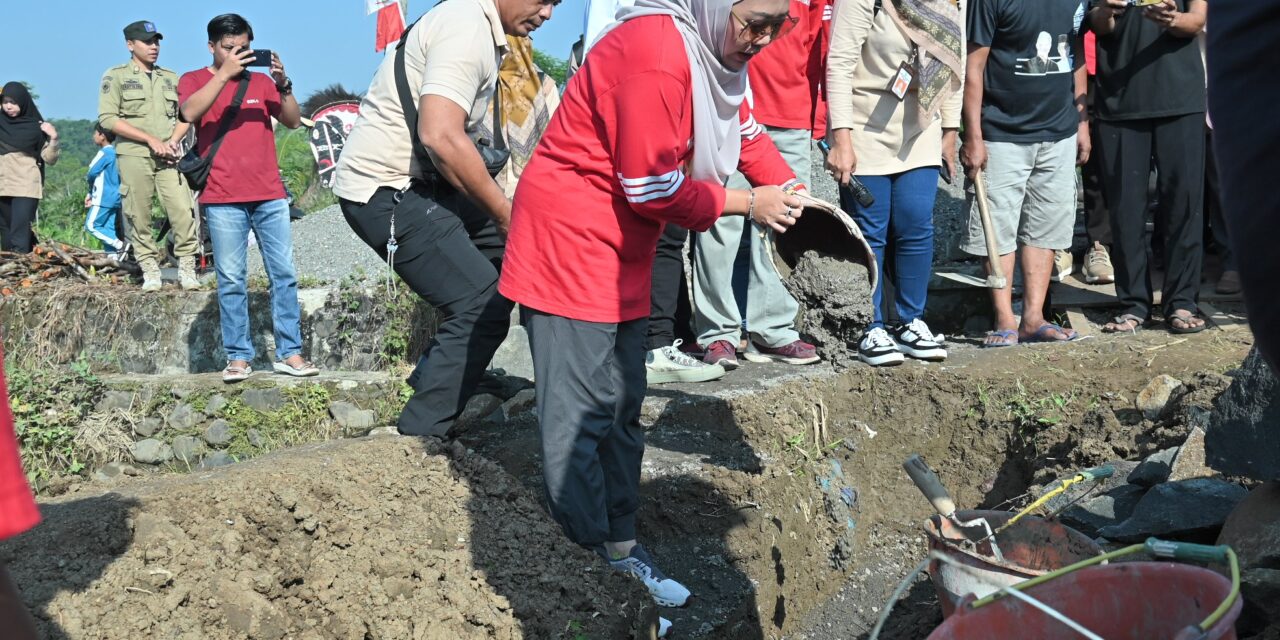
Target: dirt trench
(781, 534)
(776, 496)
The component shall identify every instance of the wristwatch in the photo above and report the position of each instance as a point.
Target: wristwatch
(285, 88)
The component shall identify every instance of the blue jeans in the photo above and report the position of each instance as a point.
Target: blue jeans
(903, 210)
(229, 226)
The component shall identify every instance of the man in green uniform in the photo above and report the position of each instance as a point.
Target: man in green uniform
(139, 103)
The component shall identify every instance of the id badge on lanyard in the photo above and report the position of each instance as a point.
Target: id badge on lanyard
(905, 76)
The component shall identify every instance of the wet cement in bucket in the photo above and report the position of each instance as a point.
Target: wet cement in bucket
(835, 304)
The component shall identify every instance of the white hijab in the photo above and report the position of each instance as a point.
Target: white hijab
(718, 91)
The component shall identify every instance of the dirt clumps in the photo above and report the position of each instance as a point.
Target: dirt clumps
(385, 537)
(835, 304)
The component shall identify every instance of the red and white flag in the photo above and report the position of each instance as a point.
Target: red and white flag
(390, 21)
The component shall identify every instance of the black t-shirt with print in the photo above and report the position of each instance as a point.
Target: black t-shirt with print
(1029, 87)
(1146, 72)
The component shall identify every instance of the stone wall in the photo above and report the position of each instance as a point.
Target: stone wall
(174, 332)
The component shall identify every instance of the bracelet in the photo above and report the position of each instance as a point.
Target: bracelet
(285, 88)
(751, 205)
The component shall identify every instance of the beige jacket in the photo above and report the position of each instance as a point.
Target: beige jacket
(866, 49)
(19, 174)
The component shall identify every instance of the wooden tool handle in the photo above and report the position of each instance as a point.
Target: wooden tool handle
(988, 229)
(930, 485)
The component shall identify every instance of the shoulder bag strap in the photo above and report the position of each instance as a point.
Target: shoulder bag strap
(411, 110)
(224, 124)
(406, 98)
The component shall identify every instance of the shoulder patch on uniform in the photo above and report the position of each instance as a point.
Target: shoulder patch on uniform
(106, 84)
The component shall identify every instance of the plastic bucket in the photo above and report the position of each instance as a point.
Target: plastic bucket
(1031, 547)
(1125, 601)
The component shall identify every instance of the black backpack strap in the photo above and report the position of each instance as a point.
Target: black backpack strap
(228, 116)
(411, 109)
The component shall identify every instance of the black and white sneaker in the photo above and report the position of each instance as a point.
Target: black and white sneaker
(878, 349)
(916, 340)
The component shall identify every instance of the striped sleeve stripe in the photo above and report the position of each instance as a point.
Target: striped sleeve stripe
(751, 128)
(640, 190)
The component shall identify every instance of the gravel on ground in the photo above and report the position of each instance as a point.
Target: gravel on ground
(326, 250)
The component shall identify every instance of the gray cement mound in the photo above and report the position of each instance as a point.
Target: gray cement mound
(835, 304)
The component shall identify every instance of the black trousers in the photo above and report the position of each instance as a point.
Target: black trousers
(1097, 220)
(1243, 94)
(449, 253)
(1128, 148)
(16, 217)
(1213, 204)
(591, 385)
(665, 299)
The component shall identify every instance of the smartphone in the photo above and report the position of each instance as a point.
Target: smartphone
(261, 58)
(1143, 3)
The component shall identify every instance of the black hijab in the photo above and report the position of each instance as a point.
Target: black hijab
(21, 134)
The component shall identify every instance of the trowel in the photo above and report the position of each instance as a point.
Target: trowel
(976, 531)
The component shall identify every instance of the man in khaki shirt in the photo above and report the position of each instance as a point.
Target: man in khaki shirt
(448, 214)
(138, 101)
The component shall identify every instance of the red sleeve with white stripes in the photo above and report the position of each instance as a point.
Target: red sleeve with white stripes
(648, 132)
(760, 161)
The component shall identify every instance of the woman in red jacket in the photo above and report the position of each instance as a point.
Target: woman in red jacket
(647, 132)
(17, 514)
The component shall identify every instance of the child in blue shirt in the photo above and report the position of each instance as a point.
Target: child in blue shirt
(104, 194)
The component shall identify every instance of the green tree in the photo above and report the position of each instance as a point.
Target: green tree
(555, 67)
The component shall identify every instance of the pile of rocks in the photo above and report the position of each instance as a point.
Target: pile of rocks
(1199, 490)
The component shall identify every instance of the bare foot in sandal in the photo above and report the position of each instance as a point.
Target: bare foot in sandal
(1185, 321)
(236, 371)
(1000, 338)
(1127, 323)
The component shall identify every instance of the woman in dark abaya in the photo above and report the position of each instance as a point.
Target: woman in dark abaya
(27, 143)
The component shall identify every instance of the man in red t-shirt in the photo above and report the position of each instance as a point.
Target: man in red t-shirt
(244, 191)
(785, 90)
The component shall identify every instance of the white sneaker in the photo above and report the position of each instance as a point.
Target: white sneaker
(916, 340)
(670, 364)
(878, 349)
(664, 626)
(665, 591)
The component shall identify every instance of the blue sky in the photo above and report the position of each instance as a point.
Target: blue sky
(62, 47)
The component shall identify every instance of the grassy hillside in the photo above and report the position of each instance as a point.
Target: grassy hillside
(62, 211)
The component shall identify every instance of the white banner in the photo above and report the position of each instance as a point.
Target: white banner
(373, 6)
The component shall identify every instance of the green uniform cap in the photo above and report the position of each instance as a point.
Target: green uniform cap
(142, 30)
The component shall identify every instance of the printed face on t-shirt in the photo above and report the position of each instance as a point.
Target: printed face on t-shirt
(1048, 59)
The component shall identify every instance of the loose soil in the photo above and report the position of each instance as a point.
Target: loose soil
(387, 537)
(776, 495)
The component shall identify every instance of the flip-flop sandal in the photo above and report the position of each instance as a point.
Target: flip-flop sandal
(1127, 318)
(1186, 319)
(236, 374)
(1042, 334)
(1005, 336)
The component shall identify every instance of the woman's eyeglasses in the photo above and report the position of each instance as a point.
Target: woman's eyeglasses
(755, 30)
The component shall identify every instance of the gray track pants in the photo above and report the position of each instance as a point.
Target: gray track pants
(590, 385)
